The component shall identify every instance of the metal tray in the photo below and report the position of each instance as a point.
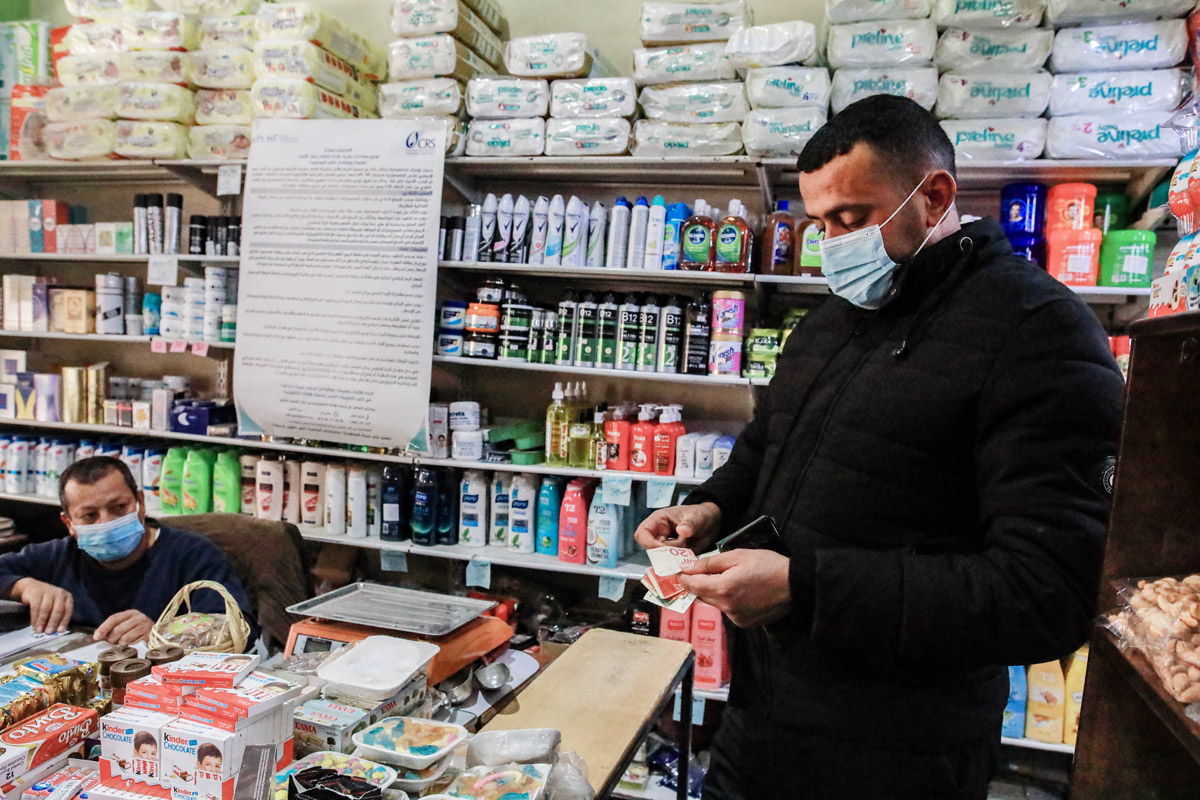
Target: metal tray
(393, 608)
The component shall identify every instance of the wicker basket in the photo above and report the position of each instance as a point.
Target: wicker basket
(234, 631)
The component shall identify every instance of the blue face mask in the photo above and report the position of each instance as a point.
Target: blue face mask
(112, 540)
(857, 265)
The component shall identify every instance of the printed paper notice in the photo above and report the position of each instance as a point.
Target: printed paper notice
(338, 279)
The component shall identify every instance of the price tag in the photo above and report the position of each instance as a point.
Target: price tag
(617, 489)
(163, 271)
(200, 348)
(659, 492)
(158, 345)
(229, 179)
(393, 561)
(179, 346)
(612, 587)
(697, 708)
(479, 573)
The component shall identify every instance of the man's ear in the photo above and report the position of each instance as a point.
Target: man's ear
(940, 191)
(141, 498)
(67, 521)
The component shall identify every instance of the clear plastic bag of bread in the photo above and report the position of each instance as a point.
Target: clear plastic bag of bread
(1161, 619)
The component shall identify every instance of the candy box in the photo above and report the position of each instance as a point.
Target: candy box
(255, 695)
(161, 705)
(63, 784)
(130, 744)
(152, 687)
(42, 738)
(207, 669)
(199, 759)
(325, 725)
(200, 714)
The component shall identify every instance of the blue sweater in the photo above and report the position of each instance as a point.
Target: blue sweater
(176, 558)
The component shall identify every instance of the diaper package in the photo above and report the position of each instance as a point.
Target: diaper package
(106, 36)
(696, 102)
(155, 66)
(224, 142)
(489, 12)
(425, 17)
(216, 8)
(916, 83)
(555, 55)
(456, 133)
(89, 69)
(1131, 136)
(160, 30)
(218, 32)
(1016, 50)
(1141, 45)
(654, 138)
(434, 56)
(303, 61)
(788, 87)
(593, 97)
(1126, 92)
(841, 11)
(93, 138)
(293, 99)
(506, 137)
(779, 132)
(976, 14)
(508, 98)
(683, 23)
(420, 98)
(600, 136)
(307, 20)
(873, 44)
(141, 139)
(224, 107)
(986, 95)
(992, 140)
(166, 102)
(73, 103)
(1074, 12)
(222, 68)
(98, 9)
(693, 62)
(772, 45)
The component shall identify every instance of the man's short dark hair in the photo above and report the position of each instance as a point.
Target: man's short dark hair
(90, 470)
(905, 136)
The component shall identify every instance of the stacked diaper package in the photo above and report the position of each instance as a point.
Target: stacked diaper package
(789, 100)
(25, 74)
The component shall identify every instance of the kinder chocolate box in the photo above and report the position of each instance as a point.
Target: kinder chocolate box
(130, 743)
(256, 694)
(42, 738)
(198, 760)
(161, 705)
(199, 714)
(222, 670)
(65, 783)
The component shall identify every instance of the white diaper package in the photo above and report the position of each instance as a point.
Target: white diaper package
(439, 55)
(992, 140)
(684, 23)
(156, 66)
(508, 98)
(788, 87)
(1141, 45)
(89, 69)
(92, 138)
(228, 32)
(425, 17)
(307, 20)
(887, 44)
(1125, 92)
(1132, 136)
(420, 98)
(916, 83)
(222, 68)
(691, 62)
(99, 9)
(303, 61)
(1018, 50)
(772, 45)
(104, 36)
(841, 11)
(164, 102)
(593, 97)
(72, 103)
(143, 139)
(1074, 12)
(696, 102)
(456, 133)
(224, 107)
(160, 30)
(653, 138)
(987, 95)
(555, 55)
(981, 14)
(223, 142)
(216, 8)
(779, 132)
(506, 137)
(599, 136)
(293, 99)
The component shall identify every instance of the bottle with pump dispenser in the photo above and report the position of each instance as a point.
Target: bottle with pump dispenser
(598, 448)
(618, 235)
(616, 436)
(778, 242)
(697, 240)
(735, 241)
(557, 420)
(639, 219)
(666, 437)
(641, 441)
(656, 224)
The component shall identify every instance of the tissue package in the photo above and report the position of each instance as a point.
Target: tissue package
(593, 97)
(72, 103)
(654, 138)
(420, 98)
(216, 32)
(996, 139)
(553, 55)
(93, 138)
(840, 11)
(1073, 12)
(150, 66)
(683, 23)
(306, 20)
(606, 136)
(694, 62)
(1112, 136)
(433, 56)
(303, 61)
(788, 87)
(963, 50)
(141, 139)
(425, 17)
(772, 45)
(696, 102)
(984, 95)
(222, 68)
(89, 69)
(1141, 45)
(92, 9)
(778, 132)
(508, 98)
(1126, 92)
(226, 142)
(160, 30)
(165, 102)
(976, 14)
(506, 137)
(224, 107)
(292, 99)
(889, 44)
(216, 8)
(95, 37)
(916, 83)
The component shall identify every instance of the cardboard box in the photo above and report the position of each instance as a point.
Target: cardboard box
(161, 403)
(48, 397)
(41, 305)
(72, 310)
(26, 409)
(161, 705)
(325, 725)
(124, 238)
(106, 238)
(257, 694)
(200, 759)
(708, 638)
(141, 414)
(7, 245)
(12, 362)
(54, 214)
(8, 401)
(25, 300)
(1169, 294)
(37, 242)
(207, 669)
(12, 302)
(44, 737)
(131, 741)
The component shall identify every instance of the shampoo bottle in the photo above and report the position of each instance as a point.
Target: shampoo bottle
(291, 491)
(573, 520)
(655, 226)
(197, 484)
(597, 227)
(335, 499)
(394, 492)
(522, 514)
(374, 501)
(616, 436)
(424, 506)
(501, 489)
(539, 228)
(249, 464)
(696, 240)
(312, 493)
(473, 509)
(227, 484)
(575, 227)
(641, 441)
(639, 218)
(269, 490)
(554, 230)
(697, 329)
(447, 509)
(549, 505)
(618, 234)
(171, 483)
(603, 532)
(356, 501)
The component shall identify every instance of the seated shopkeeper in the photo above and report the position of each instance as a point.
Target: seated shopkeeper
(115, 572)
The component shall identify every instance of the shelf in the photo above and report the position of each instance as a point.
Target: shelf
(1030, 744)
(30, 498)
(668, 377)
(101, 337)
(603, 273)
(716, 171)
(543, 469)
(125, 258)
(82, 170)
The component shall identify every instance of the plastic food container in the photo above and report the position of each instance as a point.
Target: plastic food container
(411, 742)
(1112, 212)
(1074, 256)
(378, 666)
(729, 312)
(379, 775)
(1125, 258)
(414, 780)
(1070, 206)
(525, 781)
(1023, 208)
(1030, 247)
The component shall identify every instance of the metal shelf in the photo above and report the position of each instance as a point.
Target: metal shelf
(109, 170)
(1030, 744)
(100, 337)
(602, 273)
(668, 377)
(30, 498)
(716, 171)
(124, 258)
(545, 469)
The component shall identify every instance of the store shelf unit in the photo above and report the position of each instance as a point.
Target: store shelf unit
(36, 499)
(127, 258)
(100, 337)
(662, 377)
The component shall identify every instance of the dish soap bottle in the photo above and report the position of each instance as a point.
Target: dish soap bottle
(734, 241)
(696, 240)
(778, 242)
(808, 250)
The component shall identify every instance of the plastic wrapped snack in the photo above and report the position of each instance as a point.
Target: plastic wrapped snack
(1130, 136)
(1161, 619)
(593, 97)
(604, 136)
(439, 55)
(420, 98)
(1142, 45)
(507, 98)
(873, 44)
(103, 36)
(1073, 12)
(788, 87)
(279, 97)
(553, 55)
(216, 8)
(506, 137)
(984, 95)
(165, 102)
(840, 11)
(224, 107)
(992, 140)
(771, 132)
(1019, 50)
(425, 17)
(143, 139)
(696, 102)
(525, 781)
(976, 14)
(771, 45)
(654, 138)
(160, 30)
(1126, 92)
(303, 61)
(89, 69)
(96, 9)
(218, 32)
(226, 142)
(151, 66)
(693, 62)
(72, 103)
(916, 83)
(222, 68)
(683, 23)
(306, 20)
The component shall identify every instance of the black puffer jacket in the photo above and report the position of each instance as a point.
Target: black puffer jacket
(936, 470)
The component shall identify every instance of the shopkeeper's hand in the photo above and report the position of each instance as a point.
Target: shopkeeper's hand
(49, 606)
(750, 586)
(694, 526)
(124, 628)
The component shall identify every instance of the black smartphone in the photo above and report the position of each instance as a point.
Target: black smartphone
(761, 534)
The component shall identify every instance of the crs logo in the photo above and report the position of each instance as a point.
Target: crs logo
(416, 142)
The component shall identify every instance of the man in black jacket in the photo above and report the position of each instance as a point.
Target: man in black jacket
(933, 449)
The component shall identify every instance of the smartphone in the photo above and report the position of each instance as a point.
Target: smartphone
(761, 534)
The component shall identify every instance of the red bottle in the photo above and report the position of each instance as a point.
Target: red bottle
(616, 436)
(666, 435)
(641, 442)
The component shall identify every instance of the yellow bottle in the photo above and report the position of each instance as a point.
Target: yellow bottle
(1046, 708)
(557, 419)
(1076, 675)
